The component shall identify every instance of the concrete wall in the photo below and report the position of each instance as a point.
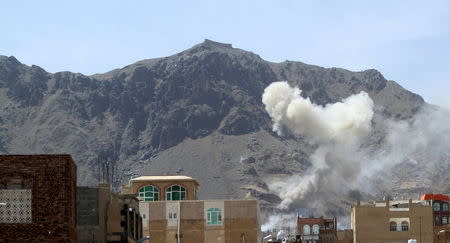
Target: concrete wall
(157, 222)
(240, 221)
(88, 225)
(99, 215)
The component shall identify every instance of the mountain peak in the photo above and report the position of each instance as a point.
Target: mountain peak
(215, 44)
(11, 59)
(209, 45)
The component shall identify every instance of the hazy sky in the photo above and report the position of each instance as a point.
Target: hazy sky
(407, 41)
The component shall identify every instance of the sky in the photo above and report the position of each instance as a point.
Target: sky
(407, 41)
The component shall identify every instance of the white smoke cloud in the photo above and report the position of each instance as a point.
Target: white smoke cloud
(285, 222)
(338, 122)
(337, 129)
(423, 141)
(343, 166)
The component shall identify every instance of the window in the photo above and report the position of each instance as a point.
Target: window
(306, 229)
(445, 206)
(436, 206)
(214, 216)
(437, 221)
(329, 226)
(405, 226)
(316, 229)
(15, 200)
(393, 226)
(175, 192)
(444, 220)
(148, 194)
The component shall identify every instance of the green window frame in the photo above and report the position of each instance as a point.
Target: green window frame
(445, 206)
(148, 194)
(444, 221)
(214, 216)
(175, 193)
(436, 206)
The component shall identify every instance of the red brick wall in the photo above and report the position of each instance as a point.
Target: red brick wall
(53, 184)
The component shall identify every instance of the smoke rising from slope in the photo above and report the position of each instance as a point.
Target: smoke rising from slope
(336, 128)
(346, 161)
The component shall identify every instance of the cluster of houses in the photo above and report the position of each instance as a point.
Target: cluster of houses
(40, 202)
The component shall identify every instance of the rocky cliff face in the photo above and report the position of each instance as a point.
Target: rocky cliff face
(198, 112)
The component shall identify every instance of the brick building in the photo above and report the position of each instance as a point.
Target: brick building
(440, 204)
(317, 230)
(37, 198)
(171, 213)
(441, 215)
(162, 188)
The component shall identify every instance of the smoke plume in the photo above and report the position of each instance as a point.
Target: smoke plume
(336, 128)
(344, 164)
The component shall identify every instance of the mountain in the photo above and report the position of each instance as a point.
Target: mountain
(198, 112)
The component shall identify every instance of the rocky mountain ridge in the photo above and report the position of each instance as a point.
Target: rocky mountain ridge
(198, 112)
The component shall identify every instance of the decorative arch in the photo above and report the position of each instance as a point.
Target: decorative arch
(393, 226)
(436, 206)
(306, 229)
(315, 229)
(175, 193)
(405, 226)
(148, 193)
(445, 206)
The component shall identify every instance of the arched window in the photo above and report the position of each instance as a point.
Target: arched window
(214, 216)
(315, 229)
(175, 192)
(444, 220)
(445, 206)
(436, 206)
(306, 229)
(405, 226)
(148, 194)
(393, 226)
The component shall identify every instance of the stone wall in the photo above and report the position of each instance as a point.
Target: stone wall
(52, 181)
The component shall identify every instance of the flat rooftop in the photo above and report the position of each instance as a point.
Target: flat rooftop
(164, 178)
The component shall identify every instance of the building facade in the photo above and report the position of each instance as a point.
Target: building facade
(392, 222)
(441, 215)
(37, 198)
(107, 217)
(209, 221)
(317, 230)
(171, 213)
(440, 204)
(162, 188)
